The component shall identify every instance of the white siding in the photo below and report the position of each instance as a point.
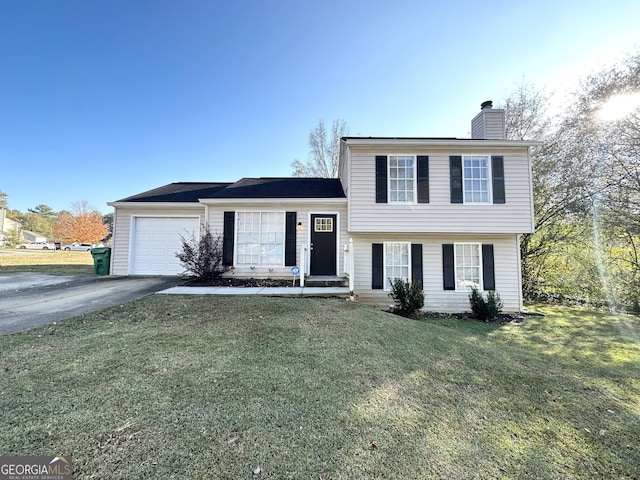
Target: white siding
(303, 211)
(506, 264)
(440, 215)
(120, 254)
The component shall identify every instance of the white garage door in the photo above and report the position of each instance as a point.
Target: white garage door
(156, 241)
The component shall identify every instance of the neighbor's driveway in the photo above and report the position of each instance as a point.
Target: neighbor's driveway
(29, 300)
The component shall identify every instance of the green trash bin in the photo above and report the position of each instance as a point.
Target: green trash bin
(101, 259)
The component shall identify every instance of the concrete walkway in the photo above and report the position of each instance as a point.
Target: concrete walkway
(261, 291)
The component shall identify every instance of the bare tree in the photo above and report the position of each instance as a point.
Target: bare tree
(560, 191)
(325, 151)
(82, 208)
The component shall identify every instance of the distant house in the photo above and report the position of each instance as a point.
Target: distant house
(6, 225)
(33, 237)
(445, 212)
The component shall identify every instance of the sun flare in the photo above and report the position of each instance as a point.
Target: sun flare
(619, 106)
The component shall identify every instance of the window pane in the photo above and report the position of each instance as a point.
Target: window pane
(397, 263)
(467, 256)
(401, 178)
(476, 179)
(260, 238)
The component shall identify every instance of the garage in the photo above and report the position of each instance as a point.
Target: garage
(155, 242)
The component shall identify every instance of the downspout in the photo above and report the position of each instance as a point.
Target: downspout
(520, 296)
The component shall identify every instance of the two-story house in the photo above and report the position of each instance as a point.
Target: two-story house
(444, 212)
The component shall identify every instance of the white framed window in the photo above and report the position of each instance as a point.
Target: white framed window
(402, 179)
(323, 224)
(260, 238)
(397, 263)
(468, 262)
(476, 175)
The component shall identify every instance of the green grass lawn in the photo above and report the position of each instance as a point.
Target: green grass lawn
(201, 387)
(45, 261)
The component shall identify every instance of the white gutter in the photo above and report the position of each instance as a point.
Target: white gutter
(155, 204)
(437, 142)
(295, 201)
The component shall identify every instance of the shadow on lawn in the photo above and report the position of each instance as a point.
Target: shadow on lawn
(551, 398)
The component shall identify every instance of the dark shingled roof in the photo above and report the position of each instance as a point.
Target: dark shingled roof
(178, 192)
(285, 187)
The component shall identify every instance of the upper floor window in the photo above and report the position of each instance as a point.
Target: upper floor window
(476, 179)
(401, 179)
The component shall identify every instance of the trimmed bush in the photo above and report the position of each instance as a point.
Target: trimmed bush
(485, 310)
(408, 297)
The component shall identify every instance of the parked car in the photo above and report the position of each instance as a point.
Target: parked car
(38, 246)
(80, 247)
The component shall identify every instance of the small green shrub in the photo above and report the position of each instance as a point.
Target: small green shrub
(408, 297)
(202, 258)
(482, 309)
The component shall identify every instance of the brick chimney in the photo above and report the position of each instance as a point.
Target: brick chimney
(489, 123)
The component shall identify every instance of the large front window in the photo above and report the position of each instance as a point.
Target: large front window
(396, 263)
(476, 179)
(468, 261)
(401, 179)
(260, 238)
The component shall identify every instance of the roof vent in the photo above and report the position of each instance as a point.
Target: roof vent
(488, 105)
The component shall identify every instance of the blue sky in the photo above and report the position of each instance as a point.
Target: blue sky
(100, 100)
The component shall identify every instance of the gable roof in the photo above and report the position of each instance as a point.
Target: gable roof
(284, 187)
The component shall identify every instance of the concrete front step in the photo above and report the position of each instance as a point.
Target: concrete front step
(326, 281)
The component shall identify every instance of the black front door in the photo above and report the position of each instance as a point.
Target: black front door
(323, 244)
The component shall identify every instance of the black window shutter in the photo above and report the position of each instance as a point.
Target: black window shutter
(381, 179)
(448, 267)
(227, 238)
(416, 263)
(488, 271)
(423, 179)
(455, 172)
(290, 239)
(497, 171)
(377, 262)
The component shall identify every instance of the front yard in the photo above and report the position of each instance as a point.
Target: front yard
(45, 261)
(195, 387)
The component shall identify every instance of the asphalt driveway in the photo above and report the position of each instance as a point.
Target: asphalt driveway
(29, 300)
